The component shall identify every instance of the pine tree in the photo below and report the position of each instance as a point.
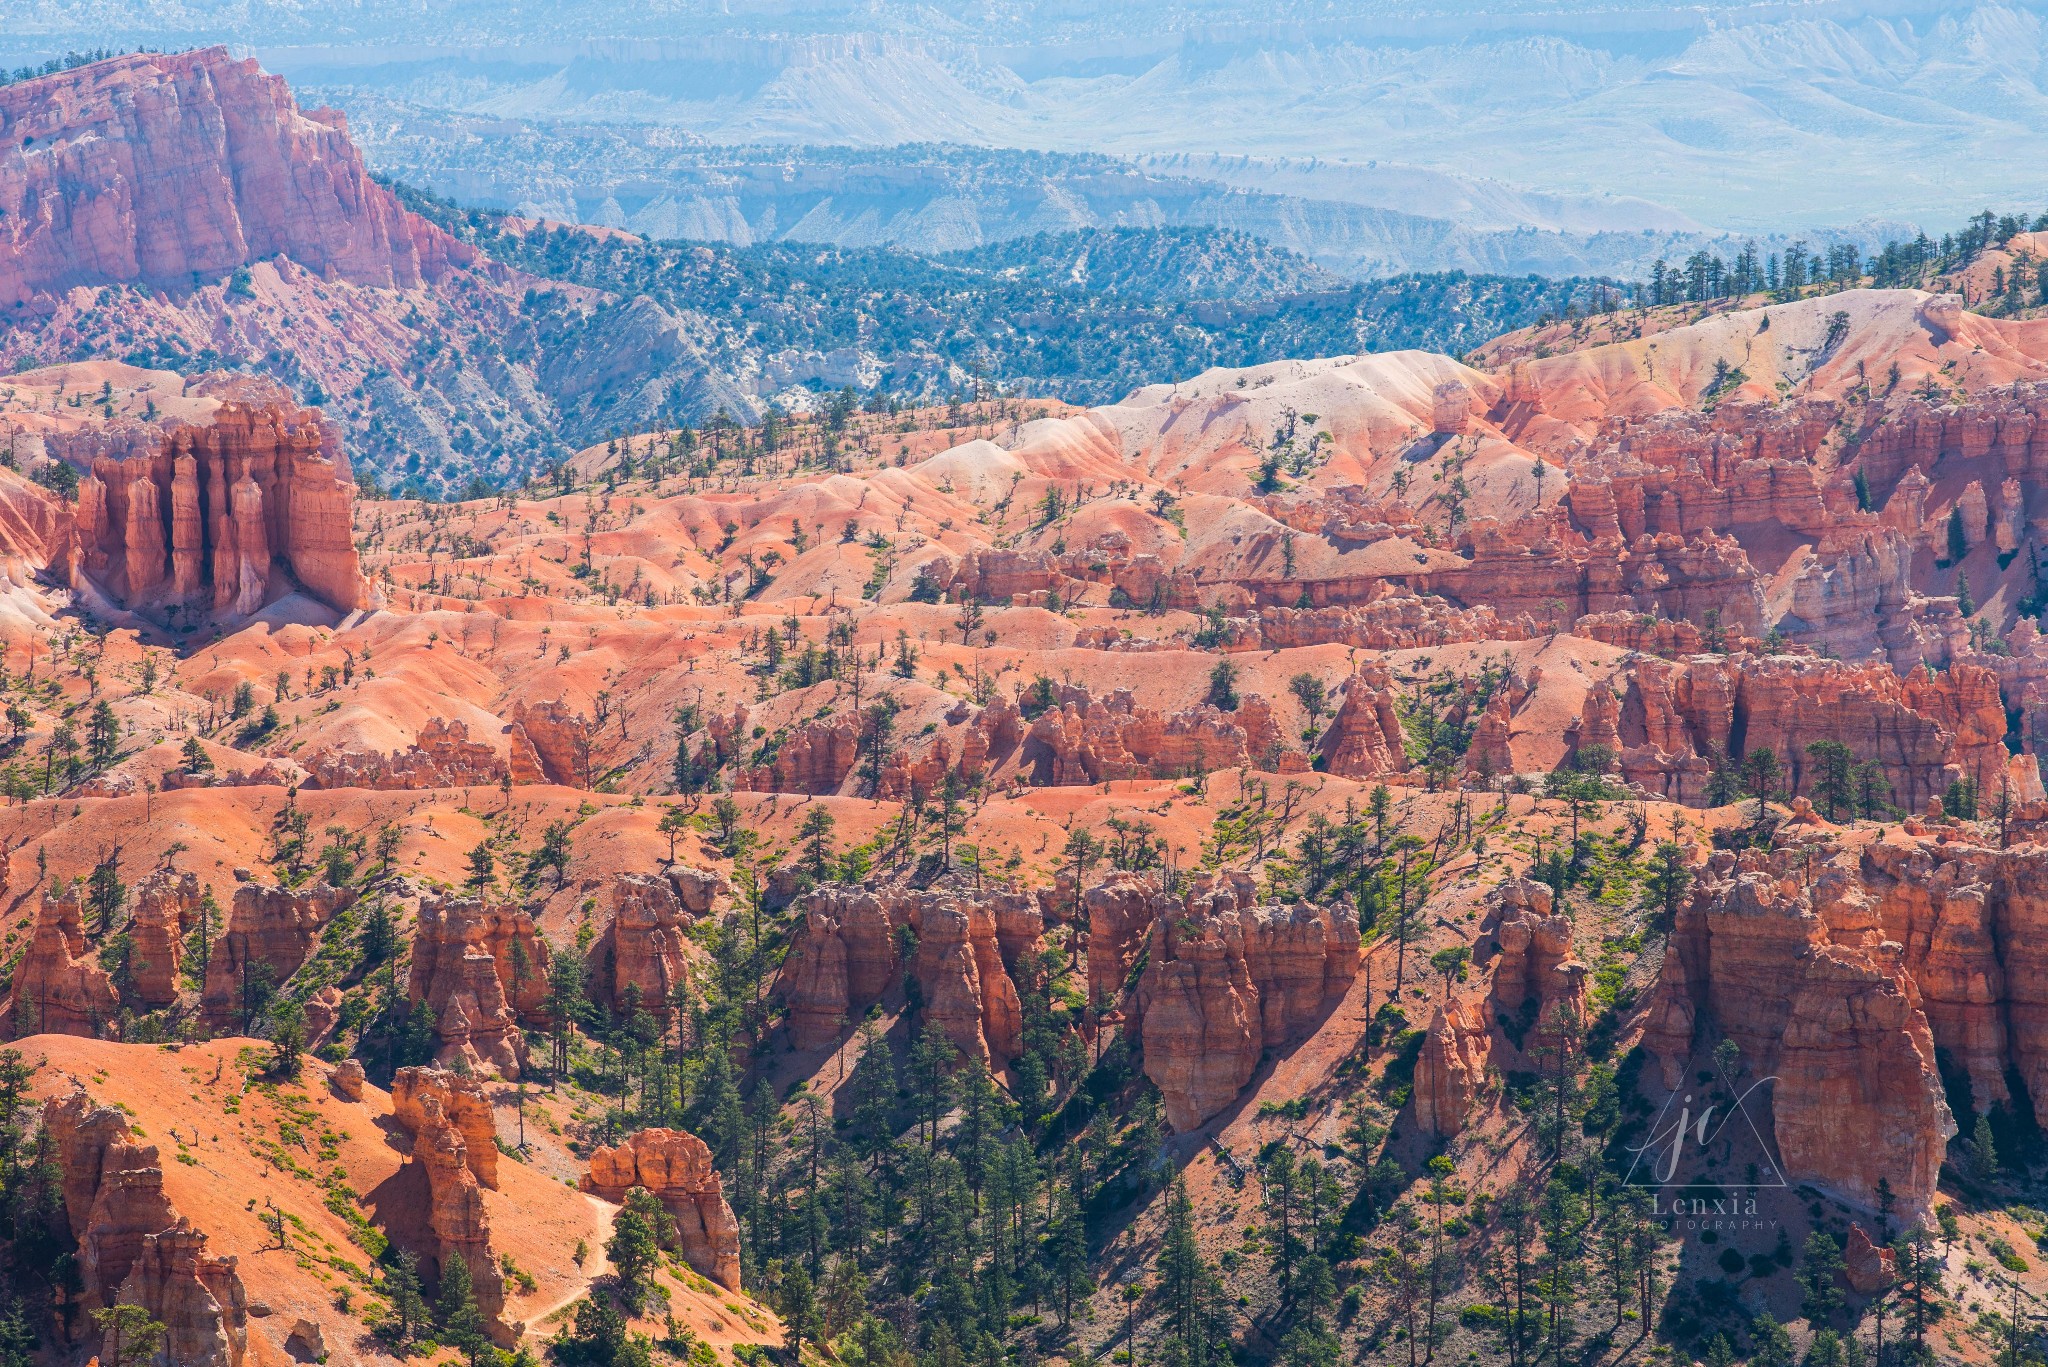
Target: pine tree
(1833, 789)
(1983, 1150)
(1181, 1274)
(796, 1302)
(129, 1335)
(1819, 1270)
(461, 1319)
(402, 1291)
(635, 1247)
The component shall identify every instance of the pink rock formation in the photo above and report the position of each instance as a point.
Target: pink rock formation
(1924, 729)
(459, 1102)
(1867, 1268)
(442, 756)
(59, 987)
(1805, 987)
(218, 517)
(1226, 981)
(348, 1079)
(644, 947)
(968, 995)
(557, 741)
(1535, 977)
(1450, 1070)
(480, 966)
(167, 908)
(1084, 740)
(1365, 739)
(850, 952)
(275, 927)
(1121, 910)
(458, 1223)
(133, 1247)
(157, 167)
(674, 1166)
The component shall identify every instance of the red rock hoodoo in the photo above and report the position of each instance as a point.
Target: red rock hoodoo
(217, 518)
(674, 1166)
(1226, 979)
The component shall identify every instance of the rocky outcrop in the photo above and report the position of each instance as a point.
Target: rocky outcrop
(966, 989)
(348, 1079)
(1795, 971)
(217, 517)
(1365, 738)
(461, 1102)
(845, 956)
(480, 967)
(550, 744)
(442, 756)
(133, 1247)
(158, 168)
(167, 908)
(1084, 740)
(1535, 982)
(1867, 1267)
(458, 1224)
(1121, 910)
(1400, 621)
(851, 950)
(1450, 1070)
(644, 950)
(815, 758)
(674, 1166)
(1228, 979)
(1923, 728)
(274, 927)
(59, 988)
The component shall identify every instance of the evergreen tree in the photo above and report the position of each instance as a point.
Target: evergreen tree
(461, 1319)
(402, 1292)
(1834, 781)
(1819, 1270)
(128, 1335)
(1983, 1150)
(635, 1247)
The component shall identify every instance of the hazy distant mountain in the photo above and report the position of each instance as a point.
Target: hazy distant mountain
(1738, 116)
(661, 182)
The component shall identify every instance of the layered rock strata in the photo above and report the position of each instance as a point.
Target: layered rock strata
(644, 952)
(480, 966)
(158, 168)
(219, 517)
(1226, 980)
(133, 1247)
(270, 934)
(1794, 966)
(168, 907)
(1924, 729)
(674, 1166)
(851, 950)
(457, 1221)
(59, 987)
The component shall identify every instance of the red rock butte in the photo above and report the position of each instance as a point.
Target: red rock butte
(158, 168)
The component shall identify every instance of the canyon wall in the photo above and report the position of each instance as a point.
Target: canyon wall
(158, 167)
(850, 952)
(216, 518)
